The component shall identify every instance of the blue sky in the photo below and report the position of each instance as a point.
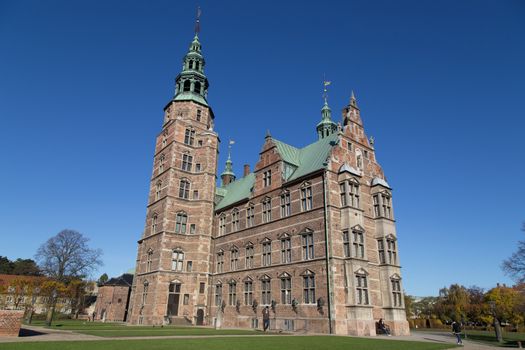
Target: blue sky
(441, 87)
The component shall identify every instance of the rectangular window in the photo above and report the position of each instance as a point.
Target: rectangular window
(376, 206)
(177, 260)
(391, 250)
(286, 290)
(186, 299)
(349, 146)
(362, 290)
(306, 198)
(234, 260)
(255, 323)
(198, 167)
(189, 137)
(285, 205)
(289, 325)
(250, 216)
(353, 192)
(267, 178)
(195, 194)
(248, 293)
(267, 210)
(267, 253)
(189, 266)
(308, 246)
(286, 250)
(181, 221)
(386, 206)
(202, 287)
(342, 190)
(187, 162)
(198, 115)
(148, 261)
(235, 220)
(249, 257)
(358, 242)
(220, 262)
(309, 289)
(266, 292)
(218, 294)
(346, 244)
(184, 189)
(192, 229)
(396, 293)
(232, 294)
(222, 225)
(381, 250)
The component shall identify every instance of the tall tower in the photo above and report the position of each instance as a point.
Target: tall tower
(173, 258)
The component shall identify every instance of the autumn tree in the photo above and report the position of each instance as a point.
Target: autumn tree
(66, 257)
(452, 302)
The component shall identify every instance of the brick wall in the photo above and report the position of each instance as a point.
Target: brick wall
(10, 321)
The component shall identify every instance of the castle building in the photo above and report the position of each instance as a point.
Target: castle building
(310, 233)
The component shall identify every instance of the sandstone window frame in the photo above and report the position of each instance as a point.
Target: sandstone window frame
(189, 136)
(145, 292)
(162, 159)
(306, 196)
(181, 222)
(361, 287)
(308, 287)
(286, 288)
(222, 224)
(286, 208)
(266, 290)
(286, 248)
(250, 215)
(266, 210)
(149, 259)
(249, 257)
(266, 252)
(187, 162)
(218, 293)
(391, 249)
(267, 178)
(158, 190)
(177, 260)
(234, 258)
(307, 244)
(248, 291)
(386, 199)
(396, 291)
(358, 242)
(236, 220)
(220, 261)
(184, 188)
(154, 226)
(232, 292)
(346, 244)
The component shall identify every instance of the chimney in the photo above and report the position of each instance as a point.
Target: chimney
(246, 170)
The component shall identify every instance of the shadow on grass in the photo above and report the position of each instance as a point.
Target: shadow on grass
(491, 340)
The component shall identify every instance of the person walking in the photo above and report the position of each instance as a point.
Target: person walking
(266, 318)
(456, 329)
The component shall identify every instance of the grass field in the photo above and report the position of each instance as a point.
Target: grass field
(122, 330)
(234, 343)
(488, 337)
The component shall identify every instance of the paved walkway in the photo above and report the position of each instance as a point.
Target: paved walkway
(34, 333)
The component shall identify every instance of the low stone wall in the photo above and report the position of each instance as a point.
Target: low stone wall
(10, 322)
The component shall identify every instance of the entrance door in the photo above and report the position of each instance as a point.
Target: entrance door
(200, 317)
(173, 299)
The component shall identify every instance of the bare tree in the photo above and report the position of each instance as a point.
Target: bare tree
(67, 255)
(515, 265)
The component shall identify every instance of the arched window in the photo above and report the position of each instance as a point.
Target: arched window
(154, 223)
(187, 85)
(158, 190)
(190, 64)
(177, 260)
(197, 65)
(197, 87)
(181, 222)
(184, 189)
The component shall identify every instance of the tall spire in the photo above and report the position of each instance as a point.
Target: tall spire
(191, 83)
(326, 126)
(228, 176)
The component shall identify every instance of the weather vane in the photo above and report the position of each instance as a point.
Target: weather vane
(325, 88)
(230, 147)
(198, 21)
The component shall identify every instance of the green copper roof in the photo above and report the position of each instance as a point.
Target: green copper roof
(190, 96)
(236, 191)
(305, 161)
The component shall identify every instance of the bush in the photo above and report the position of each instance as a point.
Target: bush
(436, 323)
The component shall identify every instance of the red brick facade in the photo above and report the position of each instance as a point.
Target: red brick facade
(10, 322)
(327, 262)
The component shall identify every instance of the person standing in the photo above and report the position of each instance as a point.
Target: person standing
(456, 329)
(266, 318)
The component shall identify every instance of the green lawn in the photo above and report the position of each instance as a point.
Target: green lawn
(488, 337)
(234, 343)
(123, 330)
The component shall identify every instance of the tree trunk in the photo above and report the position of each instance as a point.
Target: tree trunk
(497, 329)
(50, 313)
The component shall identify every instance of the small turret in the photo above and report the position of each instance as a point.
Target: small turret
(326, 126)
(228, 176)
